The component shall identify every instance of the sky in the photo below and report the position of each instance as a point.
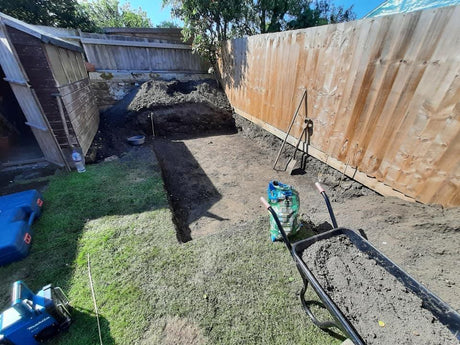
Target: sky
(154, 9)
(157, 14)
(360, 7)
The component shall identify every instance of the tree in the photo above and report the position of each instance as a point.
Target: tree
(280, 15)
(108, 13)
(209, 22)
(88, 15)
(58, 13)
(334, 14)
(271, 14)
(168, 24)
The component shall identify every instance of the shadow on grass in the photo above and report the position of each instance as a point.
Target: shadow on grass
(131, 185)
(87, 321)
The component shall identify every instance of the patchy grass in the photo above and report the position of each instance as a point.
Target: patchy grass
(234, 287)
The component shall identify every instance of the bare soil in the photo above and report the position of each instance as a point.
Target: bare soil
(162, 108)
(382, 310)
(216, 166)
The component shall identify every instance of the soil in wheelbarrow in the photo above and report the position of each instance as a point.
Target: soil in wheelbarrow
(380, 308)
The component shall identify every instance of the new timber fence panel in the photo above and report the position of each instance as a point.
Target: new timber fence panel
(383, 93)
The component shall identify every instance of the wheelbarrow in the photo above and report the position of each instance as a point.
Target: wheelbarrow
(440, 310)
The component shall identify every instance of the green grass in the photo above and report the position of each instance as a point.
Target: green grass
(234, 287)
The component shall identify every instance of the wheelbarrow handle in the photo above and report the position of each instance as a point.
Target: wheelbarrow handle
(328, 203)
(319, 187)
(264, 202)
(278, 224)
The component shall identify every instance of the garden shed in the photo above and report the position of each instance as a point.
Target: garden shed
(46, 106)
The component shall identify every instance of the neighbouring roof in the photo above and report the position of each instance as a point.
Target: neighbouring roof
(404, 6)
(32, 30)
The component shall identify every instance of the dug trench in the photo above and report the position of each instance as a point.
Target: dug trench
(216, 165)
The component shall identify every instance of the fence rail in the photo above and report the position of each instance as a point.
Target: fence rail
(124, 53)
(126, 49)
(383, 93)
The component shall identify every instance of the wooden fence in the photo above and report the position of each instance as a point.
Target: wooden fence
(124, 53)
(383, 94)
(135, 49)
(166, 35)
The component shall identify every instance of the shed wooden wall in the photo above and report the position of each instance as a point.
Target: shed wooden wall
(57, 71)
(383, 93)
(33, 58)
(79, 103)
(27, 98)
(124, 53)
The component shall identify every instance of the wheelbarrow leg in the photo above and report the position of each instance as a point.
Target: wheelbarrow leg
(305, 305)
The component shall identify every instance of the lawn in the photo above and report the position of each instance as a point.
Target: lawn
(234, 287)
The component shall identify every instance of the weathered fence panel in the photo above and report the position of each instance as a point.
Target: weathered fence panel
(124, 53)
(383, 93)
(170, 35)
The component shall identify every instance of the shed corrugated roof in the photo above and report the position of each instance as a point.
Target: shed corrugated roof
(32, 30)
(404, 6)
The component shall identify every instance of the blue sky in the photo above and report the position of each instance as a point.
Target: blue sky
(158, 14)
(361, 7)
(154, 10)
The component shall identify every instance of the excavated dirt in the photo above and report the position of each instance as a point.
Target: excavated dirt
(216, 166)
(163, 108)
(380, 308)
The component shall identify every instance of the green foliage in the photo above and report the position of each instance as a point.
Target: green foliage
(88, 15)
(209, 22)
(108, 13)
(168, 24)
(280, 15)
(58, 13)
(333, 14)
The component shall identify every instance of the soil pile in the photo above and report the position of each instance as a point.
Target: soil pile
(156, 93)
(380, 308)
(163, 108)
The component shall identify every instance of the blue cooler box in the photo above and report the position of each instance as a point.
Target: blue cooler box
(17, 213)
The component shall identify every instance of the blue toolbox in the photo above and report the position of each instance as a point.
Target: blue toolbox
(17, 213)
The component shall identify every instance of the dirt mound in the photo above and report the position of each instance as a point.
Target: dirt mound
(163, 108)
(159, 93)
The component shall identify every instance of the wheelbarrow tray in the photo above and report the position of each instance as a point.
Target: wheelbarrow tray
(443, 312)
